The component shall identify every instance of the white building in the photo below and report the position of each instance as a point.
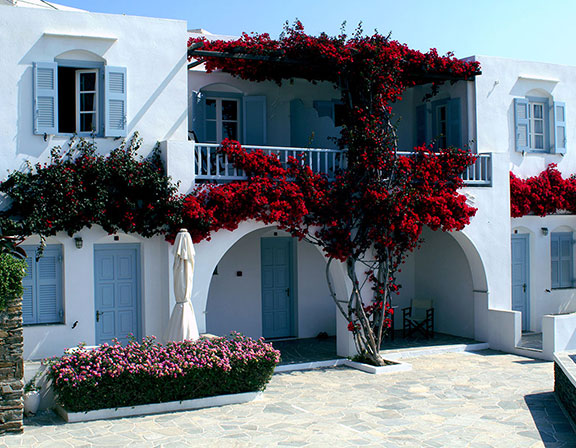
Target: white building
(137, 71)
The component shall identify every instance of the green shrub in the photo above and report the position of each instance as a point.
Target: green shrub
(12, 272)
(139, 373)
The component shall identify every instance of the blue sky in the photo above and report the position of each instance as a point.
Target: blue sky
(521, 29)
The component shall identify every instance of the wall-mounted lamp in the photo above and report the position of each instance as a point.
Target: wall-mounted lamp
(79, 242)
(544, 231)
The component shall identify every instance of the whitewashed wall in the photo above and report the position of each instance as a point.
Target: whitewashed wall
(152, 50)
(154, 54)
(543, 299)
(503, 80)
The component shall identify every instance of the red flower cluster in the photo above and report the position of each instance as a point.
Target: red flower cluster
(543, 194)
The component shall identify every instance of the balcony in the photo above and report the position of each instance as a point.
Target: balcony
(211, 166)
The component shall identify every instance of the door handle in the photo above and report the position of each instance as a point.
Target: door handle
(98, 313)
(524, 287)
(288, 292)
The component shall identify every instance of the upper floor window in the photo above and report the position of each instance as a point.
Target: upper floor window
(218, 115)
(539, 125)
(75, 97)
(445, 124)
(78, 101)
(222, 119)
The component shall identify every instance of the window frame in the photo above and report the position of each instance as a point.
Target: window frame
(219, 97)
(96, 110)
(84, 67)
(219, 120)
(545, 102)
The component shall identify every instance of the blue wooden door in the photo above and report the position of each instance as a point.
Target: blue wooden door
(520, 278)
(117, 291)
(277, 289)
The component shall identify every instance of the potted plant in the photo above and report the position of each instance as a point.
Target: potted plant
(32, 395)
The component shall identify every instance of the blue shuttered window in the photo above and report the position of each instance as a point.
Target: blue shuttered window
(539, 126)
(115, 101)
(561, 257)
(45, 98)
(446, 123)
(67, 103)
(42, 298)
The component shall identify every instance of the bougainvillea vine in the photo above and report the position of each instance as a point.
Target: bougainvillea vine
(372, 215)
(79, 188)
(541, 195)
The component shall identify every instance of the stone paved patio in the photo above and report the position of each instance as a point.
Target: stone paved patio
(478, 400)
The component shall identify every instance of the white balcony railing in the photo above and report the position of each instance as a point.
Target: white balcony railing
(210, 165)
(479, 174)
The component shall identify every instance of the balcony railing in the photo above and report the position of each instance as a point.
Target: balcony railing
(479, 174)
(209, 165)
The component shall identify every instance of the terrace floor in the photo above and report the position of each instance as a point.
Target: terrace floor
(295, 351)
(477, 400)
(532, 341)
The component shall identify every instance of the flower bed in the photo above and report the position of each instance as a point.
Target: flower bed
(114, 376)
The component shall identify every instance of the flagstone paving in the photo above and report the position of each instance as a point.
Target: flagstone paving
(477, 400)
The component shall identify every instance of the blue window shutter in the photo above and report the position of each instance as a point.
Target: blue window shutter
(45, 98)
(28, 298)
(420, 124)
(324, 108)
(555, 259)
(198, 102)
(521, 125)
(559, 127)
(454, 135)
(115, 89)
(49, 284)
(255, 120)
(565, 260)
(562, 259)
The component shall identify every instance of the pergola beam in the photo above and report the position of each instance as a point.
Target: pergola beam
(195, 52)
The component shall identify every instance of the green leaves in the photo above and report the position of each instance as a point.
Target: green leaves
(12, 272)
(79, 188)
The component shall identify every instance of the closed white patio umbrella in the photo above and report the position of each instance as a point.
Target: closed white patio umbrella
(182, 325)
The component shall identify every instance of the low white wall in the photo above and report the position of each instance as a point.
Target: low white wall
(505, 329)
(558, 334)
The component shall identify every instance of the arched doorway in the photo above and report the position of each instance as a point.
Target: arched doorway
(447, 269)
(267, 278)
